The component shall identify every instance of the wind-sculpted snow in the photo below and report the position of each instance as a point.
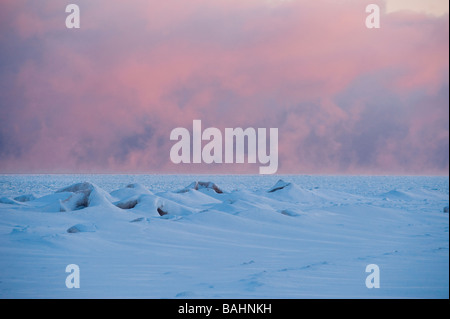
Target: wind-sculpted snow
(25, 198)
(84, 195)
(82, 228)
(205, 239)
(202, 185)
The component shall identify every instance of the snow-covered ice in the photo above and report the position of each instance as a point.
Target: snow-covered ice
(219, 236)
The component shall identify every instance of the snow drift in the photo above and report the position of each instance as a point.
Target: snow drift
(299, 237)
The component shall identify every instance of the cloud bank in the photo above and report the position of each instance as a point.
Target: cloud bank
(105, 97)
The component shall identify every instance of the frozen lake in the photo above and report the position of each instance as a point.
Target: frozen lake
(160, 236)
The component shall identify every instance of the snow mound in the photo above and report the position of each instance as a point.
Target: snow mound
(279, 185)
(84, 195)
(128, 203)
(25, 198)
(76, 188)
(129, 191)
(202, 186)
(130, 196)
(192, 198)
(168, 207)
(82, 228)
(76, 201)
(6, 200)
(289, 192)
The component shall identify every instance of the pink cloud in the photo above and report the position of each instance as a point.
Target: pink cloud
(105, 97)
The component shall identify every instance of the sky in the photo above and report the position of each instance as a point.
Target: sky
(432, 7)
(104, 98)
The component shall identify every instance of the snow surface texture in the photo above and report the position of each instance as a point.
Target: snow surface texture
(223, 236)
